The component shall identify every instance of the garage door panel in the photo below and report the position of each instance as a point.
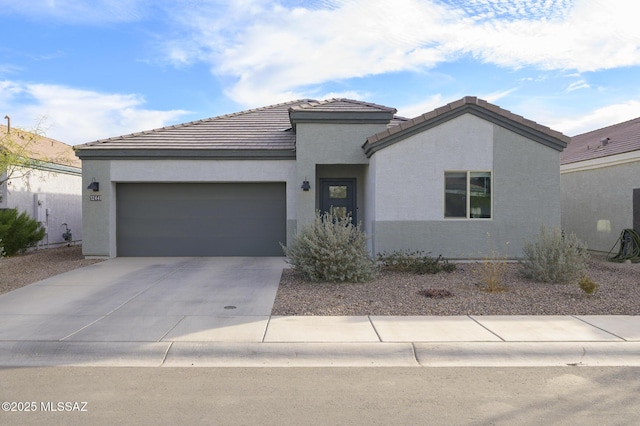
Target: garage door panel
(201, 219)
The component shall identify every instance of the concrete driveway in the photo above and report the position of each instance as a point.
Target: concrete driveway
(208, 312)
(147, 300)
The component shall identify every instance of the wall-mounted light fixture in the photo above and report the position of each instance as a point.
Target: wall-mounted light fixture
(94, 185)
(305, 185)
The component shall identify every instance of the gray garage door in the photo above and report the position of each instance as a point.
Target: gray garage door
(203, 219)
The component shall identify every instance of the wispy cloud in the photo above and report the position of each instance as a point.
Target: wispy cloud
(429, 104)
(269, 52)
(76, 116)
(577, 85)
(598, 118)
(78, 11)
(496, 96)
(272, 52)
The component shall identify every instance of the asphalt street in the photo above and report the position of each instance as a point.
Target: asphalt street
(321, 396)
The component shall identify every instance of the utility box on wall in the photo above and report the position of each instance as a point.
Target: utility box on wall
(40, 213)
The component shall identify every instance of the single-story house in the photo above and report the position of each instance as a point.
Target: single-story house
(242, 183)
(47, 188)
(600, 182)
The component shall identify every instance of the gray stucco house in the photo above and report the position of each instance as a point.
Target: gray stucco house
(240, 184)
(600, 181)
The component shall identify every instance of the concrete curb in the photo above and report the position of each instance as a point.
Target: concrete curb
(82, 354)
(230, 354)
(528, 354)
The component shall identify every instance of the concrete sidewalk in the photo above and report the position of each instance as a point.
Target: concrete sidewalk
(217, 312)
(376, 341)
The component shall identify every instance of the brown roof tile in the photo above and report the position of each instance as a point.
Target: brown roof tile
(341, 104)
(622, 138)
(43, 148)
(266, 128)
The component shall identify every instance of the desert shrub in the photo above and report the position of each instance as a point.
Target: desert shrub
(492, 269)
(414, 262)
(331, 249)
(18, 231)
(554, 257)
(587, 285)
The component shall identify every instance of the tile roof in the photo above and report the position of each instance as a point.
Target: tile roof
(44, 148)
(616, 139)
(266, 128)
(473, 105)
(342, 104)
(340, 111)
(265, 131)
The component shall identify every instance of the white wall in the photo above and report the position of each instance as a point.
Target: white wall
(59, 196)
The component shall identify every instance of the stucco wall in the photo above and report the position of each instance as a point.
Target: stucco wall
(58, 193)
(99, 217)
(409, 190)
(410, 173)
(597, 204)
(100, 220)
(526, 189)
(326, 143)
(368, 221)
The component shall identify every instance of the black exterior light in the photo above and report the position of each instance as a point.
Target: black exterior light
(94, 185)
(305, 185)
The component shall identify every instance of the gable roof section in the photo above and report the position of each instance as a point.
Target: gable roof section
(257, 133)
(467, 105)
(44, 149)
(617, 139)
(340, 111)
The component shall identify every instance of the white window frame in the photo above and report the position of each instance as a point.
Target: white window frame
(468, 195)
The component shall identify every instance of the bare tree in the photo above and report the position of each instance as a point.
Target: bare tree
(20, 153)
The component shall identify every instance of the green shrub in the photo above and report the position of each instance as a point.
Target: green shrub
(18, 231)
(414, 262)
(554, 257)
(331, 249)
(587, 285)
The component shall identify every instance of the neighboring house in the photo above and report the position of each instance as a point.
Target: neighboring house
(240, 184)
(600, 181)
(49, 190)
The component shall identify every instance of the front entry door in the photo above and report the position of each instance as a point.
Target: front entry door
(339, 195)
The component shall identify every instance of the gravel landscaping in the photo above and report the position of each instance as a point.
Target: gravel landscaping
(456, 293)
(462, 293)
(20, 270)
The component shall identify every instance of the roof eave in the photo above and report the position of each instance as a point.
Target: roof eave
(339, 117)
(391, 136)
(182, 154)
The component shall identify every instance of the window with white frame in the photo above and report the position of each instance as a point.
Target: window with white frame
(467, 195)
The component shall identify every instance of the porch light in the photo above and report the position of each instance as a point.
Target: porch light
(94, 185)
(305, 185)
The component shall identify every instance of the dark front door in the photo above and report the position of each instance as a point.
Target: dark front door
(339, 195)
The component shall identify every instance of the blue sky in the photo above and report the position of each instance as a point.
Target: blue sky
(92, 69)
